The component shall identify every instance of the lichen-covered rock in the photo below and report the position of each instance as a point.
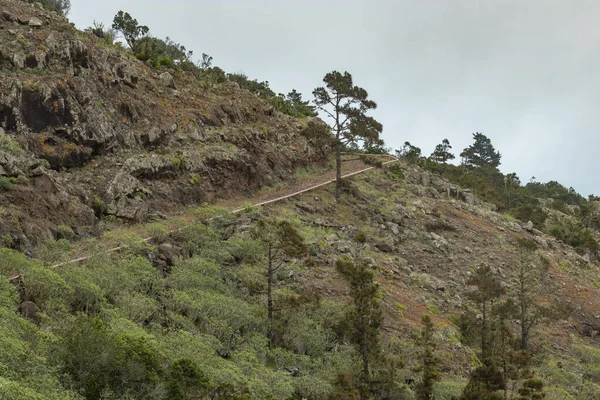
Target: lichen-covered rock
(126, 198)
(166, 79)
(35, 22)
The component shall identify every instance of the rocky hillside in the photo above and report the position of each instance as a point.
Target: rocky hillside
(87, 130)
(199, 295)
(99, 149)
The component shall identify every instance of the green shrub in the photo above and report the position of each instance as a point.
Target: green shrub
(162, 63)
(575, 235)
(158, 231)
(360, 237)
(65, 232)
(178, 162)
(432, 308)
(195, 179)
(44, 163)
(9, 146)
(396, 170)
(5, 185)
(372, 161)
(99, 206)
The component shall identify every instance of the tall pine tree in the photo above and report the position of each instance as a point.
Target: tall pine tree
(481, 153)
(347, 106)
(429, 367)
(365, 317)
(488, 378)
(281, 241)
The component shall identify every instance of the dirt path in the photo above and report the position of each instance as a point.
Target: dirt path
(294, 186)
(350, 167)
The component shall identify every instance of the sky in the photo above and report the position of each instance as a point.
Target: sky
(525, 73)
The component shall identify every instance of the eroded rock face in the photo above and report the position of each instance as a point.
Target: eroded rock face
(121, 138)
(126, 195)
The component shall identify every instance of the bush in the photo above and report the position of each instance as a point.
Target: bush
(9, 146)
(60, 6)
(99, 206)
(372, 161)
(575, 235)
(105, 34)
(396, 170)
(5, 185)
(360, 237)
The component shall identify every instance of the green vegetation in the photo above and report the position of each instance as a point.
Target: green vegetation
(478, 172)
(429, 361)
(5, 184)
(442, 154)
(60, 6)
(8, 145)
(290, 104)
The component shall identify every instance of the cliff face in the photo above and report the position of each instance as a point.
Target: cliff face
(119, 137)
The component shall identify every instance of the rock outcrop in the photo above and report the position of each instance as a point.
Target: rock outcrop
(116, 136)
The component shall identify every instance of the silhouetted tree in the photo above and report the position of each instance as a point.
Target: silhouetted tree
(346, 105)
(409, 152)
(481, 153)
(129, 28)
(442, 154)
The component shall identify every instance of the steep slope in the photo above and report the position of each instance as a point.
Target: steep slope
(423, 236)
(88, 130)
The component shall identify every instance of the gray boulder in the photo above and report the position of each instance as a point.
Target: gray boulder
(35, 22)
(166, 79)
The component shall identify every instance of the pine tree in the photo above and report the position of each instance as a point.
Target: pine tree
(365, 317)
(409, 152)
(299, 106)
(128, 26)
(489, 377)
(481, 153)
(531, 284)
(347, 105)
(511, 184)
(442, 154)
(429, 360)
(281, 241)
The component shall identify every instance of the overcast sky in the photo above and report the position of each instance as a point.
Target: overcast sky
(525, 73)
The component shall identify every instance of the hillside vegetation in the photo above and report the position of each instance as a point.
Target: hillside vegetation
(418, 279)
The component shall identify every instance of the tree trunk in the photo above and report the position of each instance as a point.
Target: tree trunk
(505, 376)
(270, 299)
(338, 169)
(523, 310)
(524, 335)
(484, 333)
